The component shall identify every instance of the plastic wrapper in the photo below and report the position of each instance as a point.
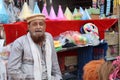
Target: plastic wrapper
(74, 37)
(91, 39)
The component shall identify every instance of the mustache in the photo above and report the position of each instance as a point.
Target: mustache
(38, 30)
(35, 31)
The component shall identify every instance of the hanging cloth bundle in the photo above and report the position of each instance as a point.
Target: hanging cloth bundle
(116, 3)
(108, 7)
(116, 72)
(102, 8)
(94, 5)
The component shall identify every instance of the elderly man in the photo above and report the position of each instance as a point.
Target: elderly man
(33, 56)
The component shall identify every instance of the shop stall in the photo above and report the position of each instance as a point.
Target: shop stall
(18, 29)
(56, 27)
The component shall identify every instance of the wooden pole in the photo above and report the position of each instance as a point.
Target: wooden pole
(118, 14)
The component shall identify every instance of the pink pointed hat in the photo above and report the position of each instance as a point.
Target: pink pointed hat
(60, 15)
(52, 14)
(68, 14)
(45, 12)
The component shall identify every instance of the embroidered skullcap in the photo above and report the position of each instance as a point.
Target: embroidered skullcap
(35, 17)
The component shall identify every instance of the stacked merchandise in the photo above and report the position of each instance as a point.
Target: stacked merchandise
(81, 40)
(90, 47)
(94, 52)
(102, 70)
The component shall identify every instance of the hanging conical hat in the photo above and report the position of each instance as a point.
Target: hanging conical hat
(60, 15)
(75, 11)
(44, 11)
(68, 14)
(10, 0)
(4, 18)
(76, 14)
(88, 15)
(36, 9)
(25, 12)
(84, 16)
(52, 13)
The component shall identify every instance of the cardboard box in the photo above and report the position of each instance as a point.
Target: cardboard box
(95, 16)
(111, 38)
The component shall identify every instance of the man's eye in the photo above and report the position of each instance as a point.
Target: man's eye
(41, 24)
(38, 23)
(34, 24)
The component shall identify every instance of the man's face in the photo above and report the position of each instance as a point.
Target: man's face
(37, 28)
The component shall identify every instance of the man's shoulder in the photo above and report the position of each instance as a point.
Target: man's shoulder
(21, 38)
(48, 34)
(20, 41)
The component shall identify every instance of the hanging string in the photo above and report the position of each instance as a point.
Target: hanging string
(45, 2)
(94, 3)
(50, 1)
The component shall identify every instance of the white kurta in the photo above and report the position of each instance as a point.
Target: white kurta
(20, 64)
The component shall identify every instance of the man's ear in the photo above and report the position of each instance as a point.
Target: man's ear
(28, 25)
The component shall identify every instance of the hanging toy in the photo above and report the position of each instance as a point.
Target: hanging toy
(90, 28)
(68, 14)
(94, 5)
(84, 14)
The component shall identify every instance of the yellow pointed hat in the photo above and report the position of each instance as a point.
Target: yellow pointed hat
(68, 14)
(25, 12)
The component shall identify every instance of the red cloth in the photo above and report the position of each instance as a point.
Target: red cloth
(17, 29)
(13, 31)
(56, 27)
